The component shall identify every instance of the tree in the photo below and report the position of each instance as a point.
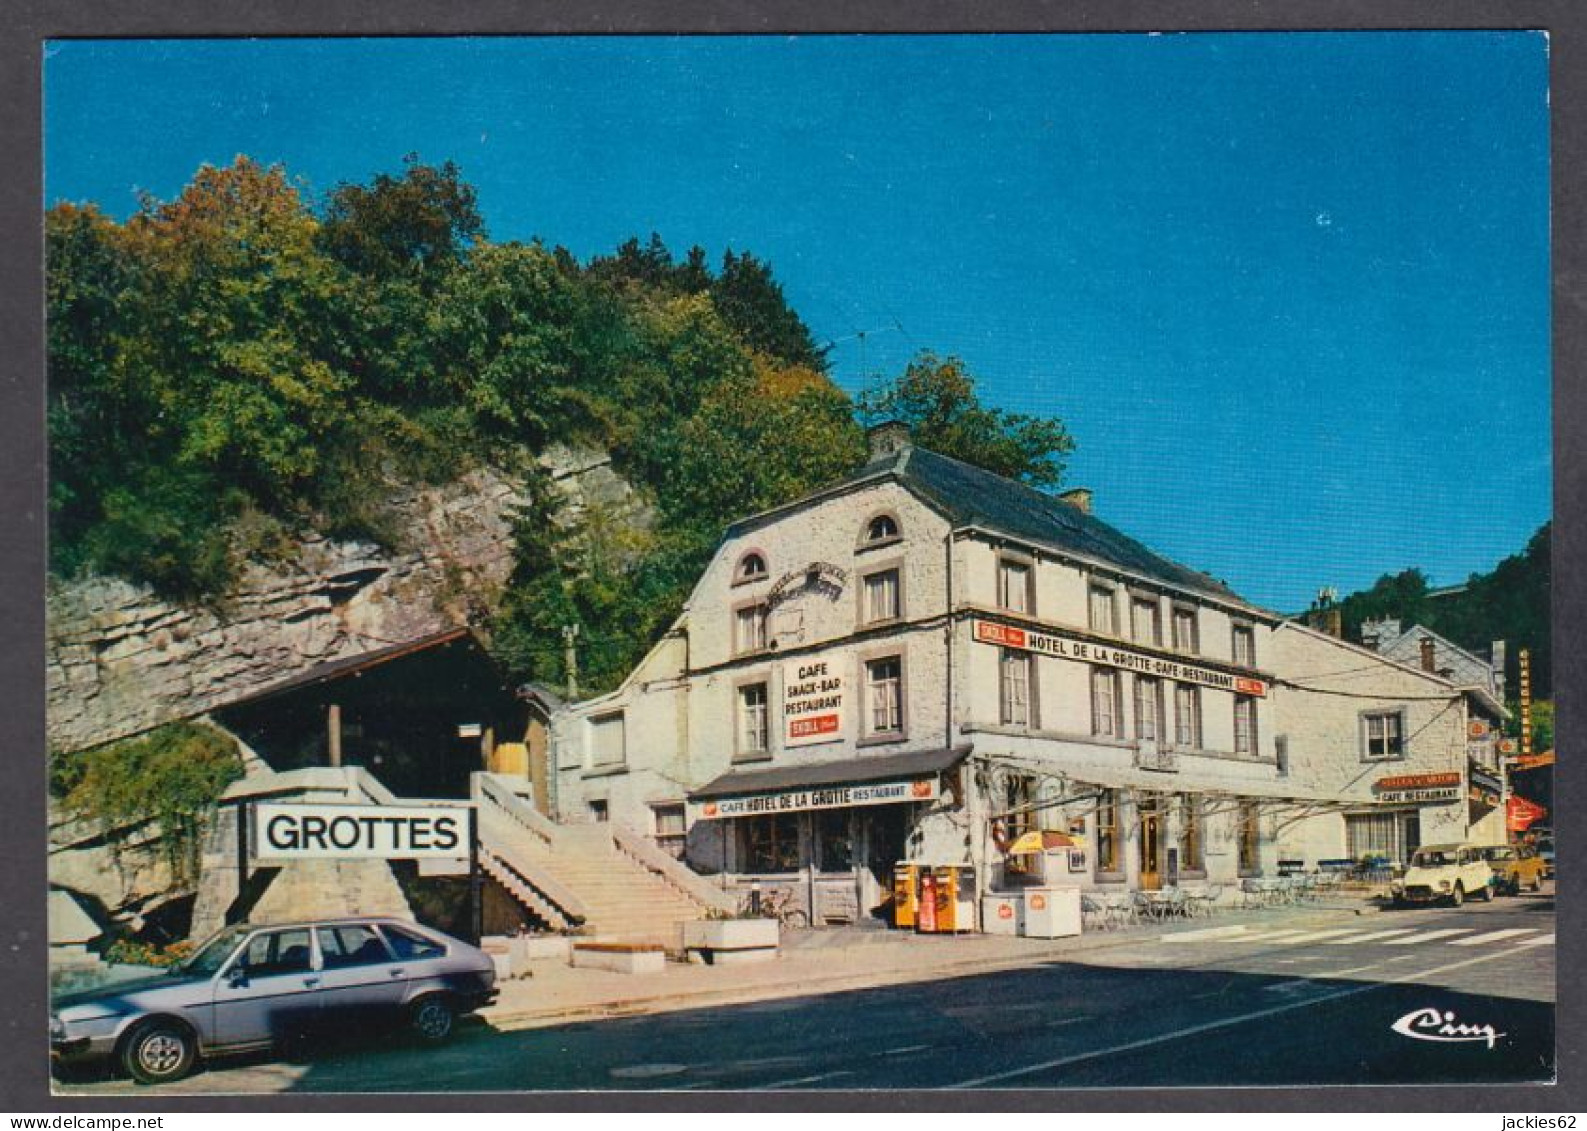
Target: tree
(417, 226)
(936, 398)
(752, 302)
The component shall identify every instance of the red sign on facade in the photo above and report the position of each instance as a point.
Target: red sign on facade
(807, 728)
(1417, 781)
(991, 633)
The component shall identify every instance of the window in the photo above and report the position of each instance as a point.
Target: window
(1105, 703)
(1146, 620)
(1013, 585)
(1187, 715)
(835, 840)
(754, 736)
(882, 528)
(881, 596)
(1244, 724)
(406, 944)
(276, 952)
(608, 741)
(1019, 794)
(671, 829)
(1108, 831)
(1190, 839)
(771, 842)
(1102, 611)
(751, 567)
(1148, 709)
(884, 680)
(1245, 645)
(1383, 735)
(346, 946)
(1186, 638)
(1248, 838)
(749, 633)
(1014, 687)
(600, 812)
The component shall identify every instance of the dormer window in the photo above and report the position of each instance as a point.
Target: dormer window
(751, 567)
(881, 529)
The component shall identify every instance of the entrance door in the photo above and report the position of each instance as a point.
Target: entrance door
(1151, 845)
(1411, 835)
(885, 828)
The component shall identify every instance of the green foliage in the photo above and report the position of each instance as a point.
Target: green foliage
(936, 397)
(418, 226)
(173, 776)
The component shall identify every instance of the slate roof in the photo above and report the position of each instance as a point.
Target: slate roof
(972, 496)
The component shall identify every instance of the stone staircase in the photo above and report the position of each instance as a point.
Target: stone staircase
(611, 882)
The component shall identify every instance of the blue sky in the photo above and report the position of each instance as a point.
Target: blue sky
(1288, 291)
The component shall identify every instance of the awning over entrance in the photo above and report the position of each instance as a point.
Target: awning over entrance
(810, 775)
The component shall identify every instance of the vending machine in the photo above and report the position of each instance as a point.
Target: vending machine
(906, 895)
(947, 899)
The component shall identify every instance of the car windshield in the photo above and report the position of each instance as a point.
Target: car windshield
(213, 954)
(1433, 858)
(1499, 853)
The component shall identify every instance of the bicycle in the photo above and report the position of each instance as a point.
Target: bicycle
(779, 904)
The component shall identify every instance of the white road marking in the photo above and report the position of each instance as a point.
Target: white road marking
(1221, 1023)
(1352, 970)
(1269, 936)
(1545, 940)
(1318, 936)
(1429, 936)
(1206, 933)
(1290, 987)
(1494, 936)
(807, 1079)
(1373, 936)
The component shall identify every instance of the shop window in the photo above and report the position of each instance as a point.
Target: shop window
(881, 529)
(1108, 859)
(1186, 636)
(835, 840)
(608, 741)
(1248, 838)
(1014, 683)
(749, 632)
(1148, 709)
(882, 596)
(1014, 586)
(1245, 725)
(1105, 719)
(1146, 620)
(1103, 611)
(1190, 833)
(1187, 716)
(770, 842)
(1245, 645)
(884, 681)
(671, 829)
(754, 726)
(751, 567)
(1382, 736)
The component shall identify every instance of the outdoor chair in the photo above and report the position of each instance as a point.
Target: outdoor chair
(1121, 909)
(1094, 911)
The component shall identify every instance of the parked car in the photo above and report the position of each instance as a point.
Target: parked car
(253, 986)
(1545, 853)
(1514, 866)
(1452, 872)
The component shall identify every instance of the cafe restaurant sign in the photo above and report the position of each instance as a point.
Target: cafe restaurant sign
(1418, 787)
(813, 702)
(824, 797)
(1091, 652)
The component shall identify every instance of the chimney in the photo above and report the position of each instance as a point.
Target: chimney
(887, 437)
(1077, 497)
(1429, 659)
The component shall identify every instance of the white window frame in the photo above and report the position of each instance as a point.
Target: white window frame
(1105, 598)
(1246, 735)
(891, 715)
(1148, 692)
(877, 580)
(1016, 677)
(748, 716)
(1016, 585)
(1395, 715)
(1183, 615)
(1106, 718)
(1239, 631)
(749, 628)
(1187, 723)
(1138, 603)
(674, 844)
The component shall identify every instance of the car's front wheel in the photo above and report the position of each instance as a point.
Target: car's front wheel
(1458, 896)
(432, 1018)
(158, 1052)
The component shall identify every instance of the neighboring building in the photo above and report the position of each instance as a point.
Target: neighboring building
(1424, 648)
(923, 660)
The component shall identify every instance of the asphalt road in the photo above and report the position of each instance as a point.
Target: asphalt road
(1209, 1005)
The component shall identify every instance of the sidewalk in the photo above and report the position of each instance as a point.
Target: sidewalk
(827, 961)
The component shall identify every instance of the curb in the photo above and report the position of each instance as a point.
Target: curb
(523, 1019)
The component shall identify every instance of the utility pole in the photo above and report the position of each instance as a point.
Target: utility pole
(570, 659)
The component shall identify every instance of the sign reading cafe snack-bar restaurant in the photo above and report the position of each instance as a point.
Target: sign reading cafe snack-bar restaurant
(824, 797)
(1092, 652)
(812, 702)
(360, 832)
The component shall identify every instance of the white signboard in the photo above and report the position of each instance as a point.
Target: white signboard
(813, 702)
(826, 797)
(1091, 652)
(359, 832)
